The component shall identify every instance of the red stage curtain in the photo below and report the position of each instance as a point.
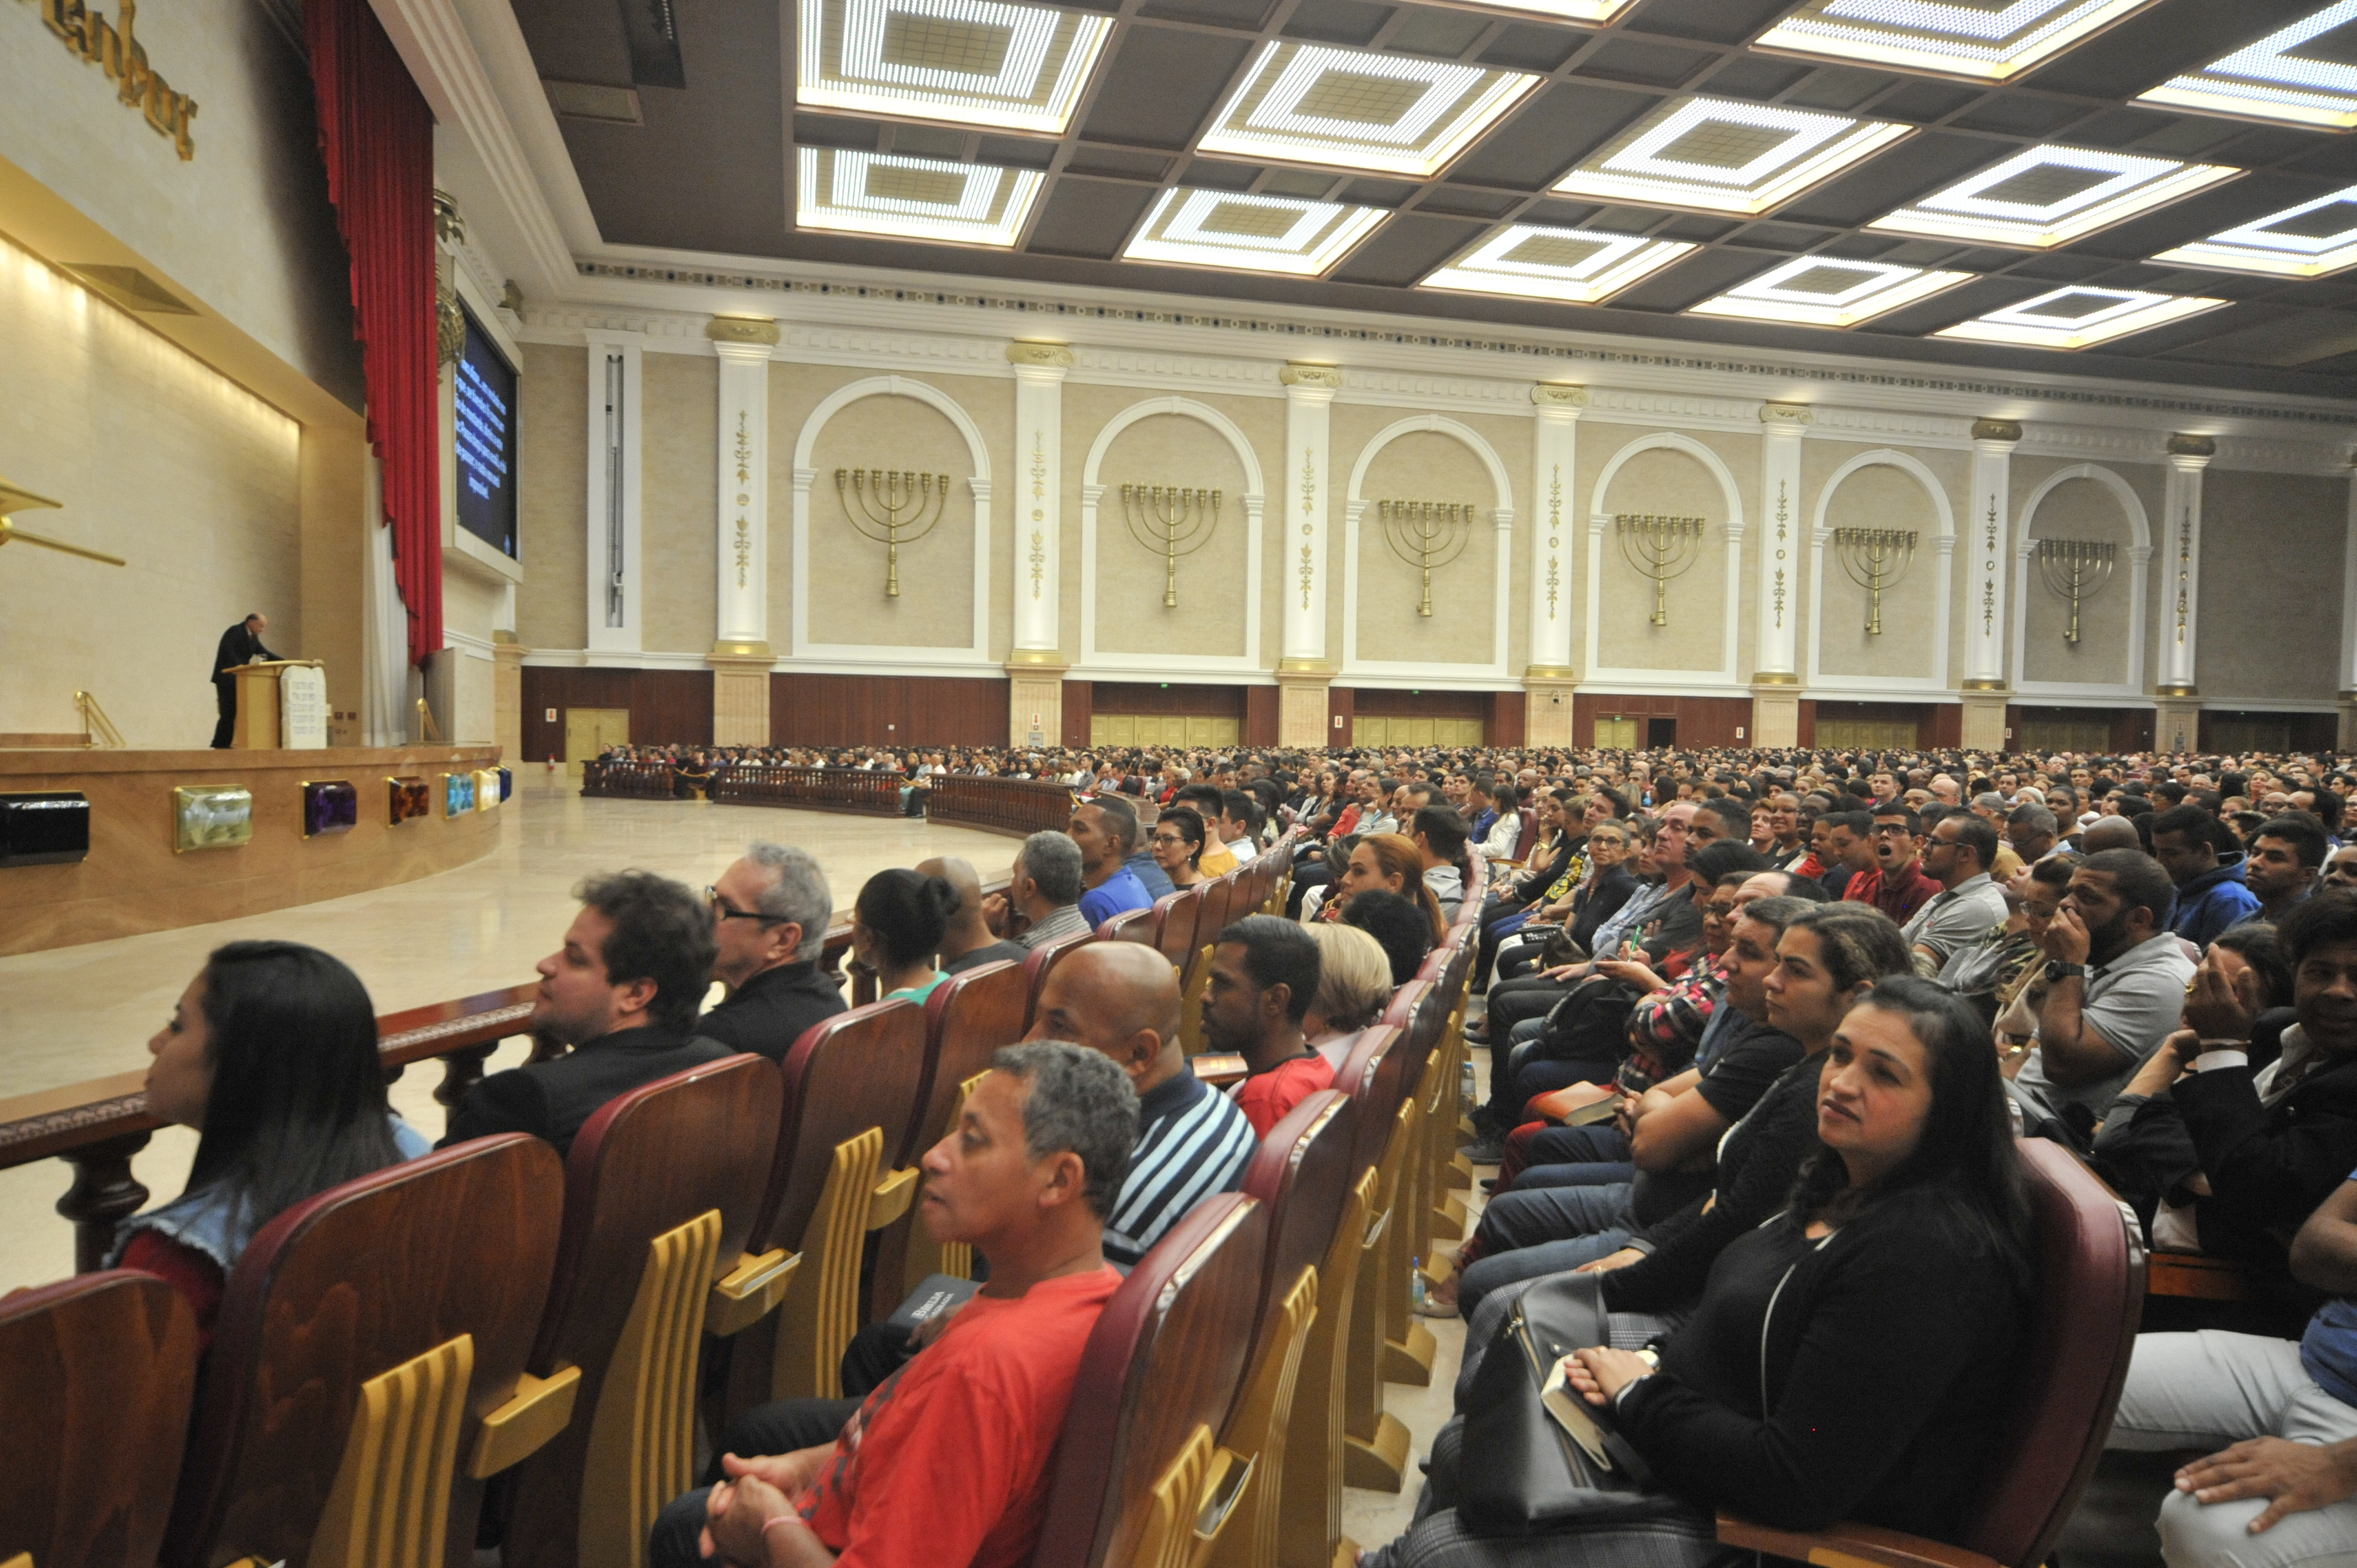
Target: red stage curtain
(378, 138)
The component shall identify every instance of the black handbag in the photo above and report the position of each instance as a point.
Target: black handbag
(1521, 1473)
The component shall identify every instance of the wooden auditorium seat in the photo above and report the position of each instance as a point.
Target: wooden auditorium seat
(1302, 1174)
(1421, 1012)
(1374, 1444)
(96, 1374)
(1175, 917)
(2091, 1265)
(1139, 1481)
(1129, 926)
(1043, 958)
(1213, 915)
(367, 1373)
(851, 1088)
(660, 1187)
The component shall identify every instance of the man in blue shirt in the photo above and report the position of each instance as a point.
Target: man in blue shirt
(1105, 829)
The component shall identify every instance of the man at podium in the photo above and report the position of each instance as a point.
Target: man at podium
(240, 644)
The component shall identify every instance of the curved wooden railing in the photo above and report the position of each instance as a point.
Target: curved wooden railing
(1019, 806)
(628, 779)
(868, 791)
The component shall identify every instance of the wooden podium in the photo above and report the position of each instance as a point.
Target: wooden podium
(260, 724)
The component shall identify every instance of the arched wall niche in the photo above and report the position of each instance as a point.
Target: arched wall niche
(2085, 501)
(1427, 457)
(1665, 474)
(1887, 490)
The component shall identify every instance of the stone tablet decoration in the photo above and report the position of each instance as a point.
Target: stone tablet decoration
(409, 799)
(212, 816)
(302, 708)
(457, 794)
(330, 806)
(46, 827)
(486, 788)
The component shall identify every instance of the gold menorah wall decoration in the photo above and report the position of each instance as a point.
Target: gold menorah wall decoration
(1171, 521)
(1660, 548)
(2076, 570)
(894, 507)
(1426, 535)
(1876, 559)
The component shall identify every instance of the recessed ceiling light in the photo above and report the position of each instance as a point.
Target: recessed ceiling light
(2046, 196)
(1256, 234)
(1821, 291)
(1354, 109)
(2306, 73)
(1989, 42)
(980, 62)
(1575, 266)
(1724, 157)
(2078, 317)
(915, 199)
(2316, 237)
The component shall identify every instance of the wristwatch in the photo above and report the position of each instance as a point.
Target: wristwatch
(2055, 970)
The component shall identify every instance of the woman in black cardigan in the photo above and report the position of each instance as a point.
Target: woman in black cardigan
(1852, 1357)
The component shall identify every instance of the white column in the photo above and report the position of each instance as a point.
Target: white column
(1307, 488)
(2181, 599)
(1775, 643)
(1554, 547)
(611, 524)
(1988, 528)
(744, 345)
(1039, 528)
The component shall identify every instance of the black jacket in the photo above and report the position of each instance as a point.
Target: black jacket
(1599, 902)
(551, 1099)
(239, 645)
(2268, 1166)
(769, 1013)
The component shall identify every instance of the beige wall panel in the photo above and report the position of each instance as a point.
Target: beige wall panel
(678, 539)
(1166, 449)
(2079, 508)
(2271, 552)
(1427, 465)
(847, 590)
(158, 459)
(553, 497)
(1667, 482)
(1886, 496)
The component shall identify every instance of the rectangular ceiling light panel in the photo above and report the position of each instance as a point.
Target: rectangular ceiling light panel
(912, 198)
(2310, 241)
(2305, 73)
(1253, 233)
(1306, 103)
(1571, 266)
(965, 62)
(2078, 317)
(1988, 42)
(1819, 291)
(2047, 195)
(1719, 156)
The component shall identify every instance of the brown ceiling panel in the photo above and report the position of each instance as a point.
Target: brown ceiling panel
(1338, 21)
(1541, 50)
(1646, 63)
(2019, 115)
(1838, 87)
(1429, 30)
(1915, 167)
(1758, 77)
(1555, 129)
(1087, 217)
(2168, 39)
(1923, 100)
(1406, 249)
(575, 40)
(1160, 85)
(1711, 21)
(1218, 174)
(1245, 13)
(1465, 202)
(1693, 280)
(1379, 192)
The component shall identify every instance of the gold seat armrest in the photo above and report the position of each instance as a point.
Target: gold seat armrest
(749, 1292)
(1224, 1489)
(894, 1192)
(536, 1411)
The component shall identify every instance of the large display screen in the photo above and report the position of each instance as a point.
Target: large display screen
(487, 442)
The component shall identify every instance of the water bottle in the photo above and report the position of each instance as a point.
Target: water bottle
(1416, 1285)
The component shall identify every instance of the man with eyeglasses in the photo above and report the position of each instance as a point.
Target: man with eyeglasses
(769, 915)
(1896, 885)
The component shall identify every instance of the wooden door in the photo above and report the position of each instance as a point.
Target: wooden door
(588, 730)
(1619, 735)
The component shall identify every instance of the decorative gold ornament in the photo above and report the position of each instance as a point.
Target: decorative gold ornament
(1876, 559)
(1171, 521)
(894, 507)
(2076, 570)
(14, 499)
(1660, 548)
(1426, 535)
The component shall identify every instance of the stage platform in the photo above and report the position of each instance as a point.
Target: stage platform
(136, 877)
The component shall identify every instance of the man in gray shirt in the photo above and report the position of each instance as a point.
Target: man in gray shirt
(1044, 887)
(1956, 855)
(2115, 983)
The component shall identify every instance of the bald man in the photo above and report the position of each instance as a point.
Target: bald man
(2110, 832)
(1121, 998)
(968, 941)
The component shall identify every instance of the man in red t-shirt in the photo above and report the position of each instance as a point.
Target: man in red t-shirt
(946, 1465)
(1897, 885)
(1265, 975)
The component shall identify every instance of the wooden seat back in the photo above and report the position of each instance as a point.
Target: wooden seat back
(967, 1018)
(1129, 926)
(97, 1373)
(420, 1280)
(660, 1185)
(1174, 933)
(1368, 1078)
(1157, 1376)
(1044, 958)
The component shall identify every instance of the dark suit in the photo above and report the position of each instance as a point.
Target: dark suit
(551, 1099)
(769, 1012)
(2268, 1166)
(239, 645)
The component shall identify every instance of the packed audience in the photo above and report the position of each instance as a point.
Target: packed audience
(1763, 1029)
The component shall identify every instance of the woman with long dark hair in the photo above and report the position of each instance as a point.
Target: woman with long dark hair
(1177, 846)
(1852, 1357)
(896, 926)
(269, 1054)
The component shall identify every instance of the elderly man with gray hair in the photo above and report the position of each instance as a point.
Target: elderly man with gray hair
(769, 914)
(1042, 889)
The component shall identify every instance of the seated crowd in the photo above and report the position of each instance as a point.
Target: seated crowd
(1763, 1037)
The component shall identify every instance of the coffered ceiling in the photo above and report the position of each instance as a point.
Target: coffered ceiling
(2160, 189)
